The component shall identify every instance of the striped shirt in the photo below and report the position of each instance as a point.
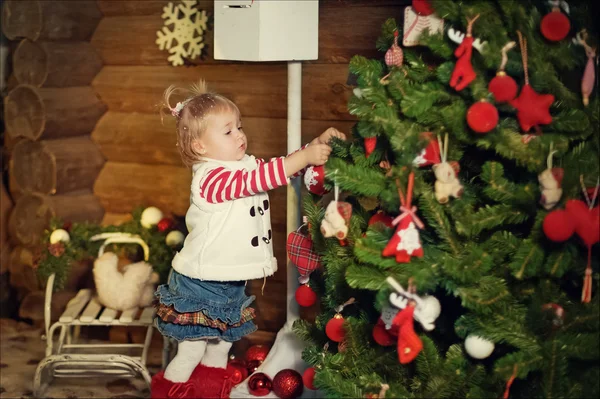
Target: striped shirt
(221, 184)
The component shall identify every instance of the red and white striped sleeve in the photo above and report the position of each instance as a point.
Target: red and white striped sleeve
(221, 184)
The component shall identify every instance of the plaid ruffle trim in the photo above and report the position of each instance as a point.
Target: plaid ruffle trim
(170, 315)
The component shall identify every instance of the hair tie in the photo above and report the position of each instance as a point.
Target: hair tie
(177, 109)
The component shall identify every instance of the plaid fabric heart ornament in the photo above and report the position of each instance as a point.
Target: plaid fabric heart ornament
(301, 253)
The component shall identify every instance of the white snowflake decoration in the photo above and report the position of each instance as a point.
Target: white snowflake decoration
(187, 32)
(310, 177)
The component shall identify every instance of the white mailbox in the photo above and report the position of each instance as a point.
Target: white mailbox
(266, 30)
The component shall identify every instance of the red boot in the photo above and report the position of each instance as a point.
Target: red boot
(211, 382)
(162, 388)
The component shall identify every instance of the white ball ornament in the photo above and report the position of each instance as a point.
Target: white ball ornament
(151, 216)
(59, 235)
(477, 347)
(174, 238)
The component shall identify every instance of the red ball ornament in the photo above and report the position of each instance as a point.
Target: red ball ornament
(314, 179)
(253, 365)
(555, 26)
(67, 226)
(381, 217)
(308, 378)
(482, 117)
(503, 87)
(237, 371)
(335, 328)
(382, 336)
(287, 384)
(422, 7)
(305, 296)
(165, 224)
(558, 225)
(370, 144)
(260, 384)
(257, 353)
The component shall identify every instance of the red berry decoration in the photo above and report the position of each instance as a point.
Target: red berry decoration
(308, 378)
(482, 117)
(503, 87)
(422, 7)
(260, 384)
(335, 328)
(381, 336)
(165, 224)
(305, 296)
(555, 26)
(287, 384)
(558, 225)
(370, 143)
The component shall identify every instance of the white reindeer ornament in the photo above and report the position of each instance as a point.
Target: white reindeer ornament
(447, 184)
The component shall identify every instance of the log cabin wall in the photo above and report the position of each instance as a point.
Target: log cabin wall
(50, 111)
(142, 164)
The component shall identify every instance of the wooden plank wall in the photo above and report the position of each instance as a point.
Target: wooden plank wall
(143, 165)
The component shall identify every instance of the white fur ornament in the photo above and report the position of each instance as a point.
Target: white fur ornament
(447, 184)
(151, 216)
(174, 238)
(550, 183)
(59, 235)
(477, 347)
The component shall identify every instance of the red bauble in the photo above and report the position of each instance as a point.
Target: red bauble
(335, 328)
(381, 217)
(422, 7)
(482, 117)
(586, 221)
(253, 365)
(503, 87)
(305, 296)
(308, 378)
(314, 179)
(370, 143)
(257, 353)
(165, 224)
(555, 26)
(67, 226)
(287, 384)
(237, 371)
(381, 336)
(558, 225)
(260, 384)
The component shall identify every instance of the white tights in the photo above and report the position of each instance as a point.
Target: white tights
(212, 353)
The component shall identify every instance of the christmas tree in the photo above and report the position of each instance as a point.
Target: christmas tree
(471, 176)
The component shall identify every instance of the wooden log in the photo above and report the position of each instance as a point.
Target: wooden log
(343, 33)
(6, 205)
(259, 90)
(22, 271)
(46, 113)
(115, 219)
(50, 20)
(112, 8)
(56, 166)
(29, 218)
(33, 211)
(32, 307)
(55, 64)
(143, 138)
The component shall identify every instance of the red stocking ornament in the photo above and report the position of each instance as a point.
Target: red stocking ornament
(533, 109)
(409, 343)
(405, 242)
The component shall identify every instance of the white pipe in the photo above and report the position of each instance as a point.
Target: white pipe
(294, 141)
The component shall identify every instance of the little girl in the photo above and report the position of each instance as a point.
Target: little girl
(204, 306)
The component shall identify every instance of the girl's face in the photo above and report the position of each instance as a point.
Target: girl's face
(224, 138)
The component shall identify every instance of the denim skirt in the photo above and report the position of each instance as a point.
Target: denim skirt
(192, 309)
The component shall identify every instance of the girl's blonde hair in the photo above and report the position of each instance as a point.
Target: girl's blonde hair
(192, 114)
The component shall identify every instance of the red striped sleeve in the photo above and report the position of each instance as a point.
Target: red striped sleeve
(221, 184)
